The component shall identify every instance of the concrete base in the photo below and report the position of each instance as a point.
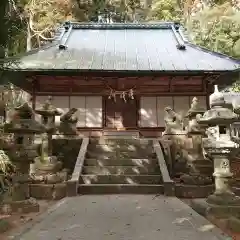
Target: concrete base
(48, 191)
(24, 206)
(193, 191)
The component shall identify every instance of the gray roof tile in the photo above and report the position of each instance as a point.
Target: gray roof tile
(133, 47)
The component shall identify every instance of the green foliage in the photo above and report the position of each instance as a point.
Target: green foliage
(165, 10)
(5, 162)
(218, 29)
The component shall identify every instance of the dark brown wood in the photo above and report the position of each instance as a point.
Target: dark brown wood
(120, 114)
(96, 84)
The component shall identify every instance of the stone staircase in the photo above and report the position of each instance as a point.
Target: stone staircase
(120, 166)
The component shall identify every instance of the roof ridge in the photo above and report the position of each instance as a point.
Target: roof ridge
(127, 25)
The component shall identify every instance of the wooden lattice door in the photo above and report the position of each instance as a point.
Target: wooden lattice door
(119, 114)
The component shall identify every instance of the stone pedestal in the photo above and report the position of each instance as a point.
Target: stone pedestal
(223, 194)
(17, 198)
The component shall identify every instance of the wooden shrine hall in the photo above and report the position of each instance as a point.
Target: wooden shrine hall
(121, 76)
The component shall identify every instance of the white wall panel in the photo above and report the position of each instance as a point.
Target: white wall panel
(93, 111)
(62, 104)
(163, 102)
(181, 105)
(79, 102)
(202, 101)
(148, 113)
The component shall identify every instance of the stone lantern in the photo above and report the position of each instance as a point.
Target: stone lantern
(22, 153)
(47, 172)
(219, 146)
(199, 167)
(48, 113)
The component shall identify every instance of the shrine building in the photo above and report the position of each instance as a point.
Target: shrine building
(121, 76)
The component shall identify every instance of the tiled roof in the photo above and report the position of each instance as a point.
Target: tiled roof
(124, 47)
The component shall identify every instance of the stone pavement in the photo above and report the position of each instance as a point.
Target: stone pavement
(120, 217)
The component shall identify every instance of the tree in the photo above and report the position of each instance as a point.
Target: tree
(217, 28)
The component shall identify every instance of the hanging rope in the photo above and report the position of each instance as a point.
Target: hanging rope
(129, 93)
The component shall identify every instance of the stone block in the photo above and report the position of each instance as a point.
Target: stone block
(41, 191)
(48, 191)
(72, 188)
(25, 206)
(169, 188)
(193, 191)
(59, 191)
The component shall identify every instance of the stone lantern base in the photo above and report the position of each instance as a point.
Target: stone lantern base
(17, 198)
(206, 209)
(46, 191)
(47, 181)
(225, 199)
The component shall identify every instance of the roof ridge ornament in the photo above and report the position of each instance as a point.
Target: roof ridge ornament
(68, 28)
(180, 42)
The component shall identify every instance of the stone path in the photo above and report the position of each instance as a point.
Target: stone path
(121, 217)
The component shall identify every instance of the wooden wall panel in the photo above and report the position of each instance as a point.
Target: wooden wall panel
(94, 111)
(148, 113)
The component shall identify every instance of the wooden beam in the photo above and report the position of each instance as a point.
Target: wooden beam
(34, 81)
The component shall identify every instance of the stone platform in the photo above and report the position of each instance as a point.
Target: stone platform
(117, 217)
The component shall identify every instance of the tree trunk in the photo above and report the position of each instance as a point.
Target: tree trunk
(3, 28)
(29, 38)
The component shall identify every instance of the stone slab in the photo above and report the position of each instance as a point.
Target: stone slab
(118, 217)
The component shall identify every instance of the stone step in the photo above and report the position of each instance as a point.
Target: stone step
(142, 162)
(102, 155)
(120, 188)
(120, 179)
(121, 141)
(125, 148)
(119, 155)
(137, 170)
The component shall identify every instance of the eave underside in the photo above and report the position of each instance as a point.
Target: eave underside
(57, 83)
